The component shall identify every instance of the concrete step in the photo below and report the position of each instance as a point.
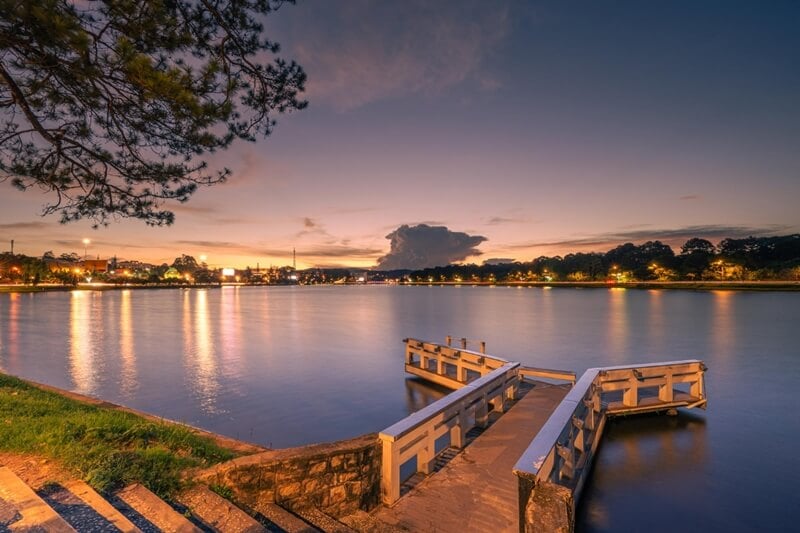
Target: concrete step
(32, 513)
(322, 521)
(217, 513)
(364, 522)
(286, 521)
(82, 515)
(91, 498)
(155, 510)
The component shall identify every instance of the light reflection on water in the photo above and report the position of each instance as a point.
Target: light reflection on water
(127, 348)
(294, 365)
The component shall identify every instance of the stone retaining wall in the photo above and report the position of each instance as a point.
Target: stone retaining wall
(337, 478)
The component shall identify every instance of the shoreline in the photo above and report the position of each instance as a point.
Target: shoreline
(762, 286)
(647, 285)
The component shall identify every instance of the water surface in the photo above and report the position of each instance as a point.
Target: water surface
(285, 366)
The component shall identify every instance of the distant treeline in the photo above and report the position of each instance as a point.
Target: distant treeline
(752, 258)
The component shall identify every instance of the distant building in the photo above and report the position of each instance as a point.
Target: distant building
(97, 266)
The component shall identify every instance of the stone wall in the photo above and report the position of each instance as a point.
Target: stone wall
(550, 507)
(338, 478)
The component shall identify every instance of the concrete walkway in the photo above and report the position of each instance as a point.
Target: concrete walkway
(477, 490)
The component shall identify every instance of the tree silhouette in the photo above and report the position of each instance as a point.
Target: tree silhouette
(111, 105)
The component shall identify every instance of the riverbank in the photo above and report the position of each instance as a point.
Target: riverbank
(18, 288)
(647, 285)
(107, 445)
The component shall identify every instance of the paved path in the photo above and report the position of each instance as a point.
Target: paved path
(477, 490)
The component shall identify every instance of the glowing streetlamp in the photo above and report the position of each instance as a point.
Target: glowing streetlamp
(86, 243)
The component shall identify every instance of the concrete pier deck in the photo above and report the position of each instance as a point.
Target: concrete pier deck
(477, 490)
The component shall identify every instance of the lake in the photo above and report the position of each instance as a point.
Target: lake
(284, 366)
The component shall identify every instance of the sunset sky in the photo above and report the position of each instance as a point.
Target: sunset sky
(543, 127)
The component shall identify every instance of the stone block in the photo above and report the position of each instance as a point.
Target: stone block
(317, 468)
(550, 509)
(310, 485)
(338, 494)
(347, 476)
(353, 489)
(289, 490)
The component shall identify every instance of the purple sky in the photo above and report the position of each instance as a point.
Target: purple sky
(543, 127)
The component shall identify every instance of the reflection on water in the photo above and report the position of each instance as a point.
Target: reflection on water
(11, 332)
(421, 393)
(617, 324)
(637, 454)
(655, 317)
(723, 332)
(85, 324)
(230, 325)
(199, 350)
(127, 350)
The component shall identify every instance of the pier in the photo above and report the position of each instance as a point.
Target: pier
(504, 451)
(526, 468)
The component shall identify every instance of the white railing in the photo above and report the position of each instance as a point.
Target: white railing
(636, 382)
(561, 452)
(454, 367)
(415, 436)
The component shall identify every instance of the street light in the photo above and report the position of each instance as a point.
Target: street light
(86, 243)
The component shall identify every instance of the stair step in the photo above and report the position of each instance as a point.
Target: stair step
(285, 520)
(33, 512)
(322, 521)
(89, 496)
(218, 513)
(155, 510)
(77, 512)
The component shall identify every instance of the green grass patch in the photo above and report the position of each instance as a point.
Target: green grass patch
(106, 447)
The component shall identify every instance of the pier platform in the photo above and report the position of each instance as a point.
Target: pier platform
(477, 489)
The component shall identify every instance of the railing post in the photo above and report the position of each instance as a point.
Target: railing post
(390, 472)
(665, 391)
(448, 340)
(458, 433)
(483, 347)
(482, 413)
(427, 455)
(513, 388)
(462, 373)
(463, 343)
(630, 396)
(697, 389)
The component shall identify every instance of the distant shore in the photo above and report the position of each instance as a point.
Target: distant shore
(671, 285)
(648, 285)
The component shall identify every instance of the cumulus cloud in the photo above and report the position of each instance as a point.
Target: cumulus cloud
(424, 246)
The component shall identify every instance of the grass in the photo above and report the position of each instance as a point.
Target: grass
(106, 447)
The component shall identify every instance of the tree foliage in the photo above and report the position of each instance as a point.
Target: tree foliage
(752, 257)
(111, 105)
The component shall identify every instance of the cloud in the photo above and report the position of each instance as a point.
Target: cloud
(210, 214)
(424, 246)
(498, 261)
(497, 221)
(362, 51)
(314, 227)
(673, 236)
(24, 226)
(691, 197)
